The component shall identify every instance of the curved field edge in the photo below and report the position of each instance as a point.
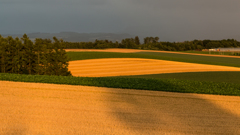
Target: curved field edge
(214, 76)
(122, 50)
(170, 85)
(211, 60)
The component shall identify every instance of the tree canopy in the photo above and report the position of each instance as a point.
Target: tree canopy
(42, 57)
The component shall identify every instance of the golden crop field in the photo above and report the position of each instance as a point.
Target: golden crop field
(136, 66)
(47, 109)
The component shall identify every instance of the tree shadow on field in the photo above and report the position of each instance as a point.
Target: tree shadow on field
(153, 112)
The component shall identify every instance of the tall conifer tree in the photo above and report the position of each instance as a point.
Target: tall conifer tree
(137, 41)
(3, 53)
(40, 50)
(11, 54)
(18, 56)
(60, 63)
(30, 56)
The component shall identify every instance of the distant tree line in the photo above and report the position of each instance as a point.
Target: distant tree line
(43, 57)
(153, 43)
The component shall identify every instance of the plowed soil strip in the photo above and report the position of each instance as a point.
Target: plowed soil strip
(136, 66)
(136, 50)
(34, 108)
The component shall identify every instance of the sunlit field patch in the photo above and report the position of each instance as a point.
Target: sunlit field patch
(36, 108)
(136, 66)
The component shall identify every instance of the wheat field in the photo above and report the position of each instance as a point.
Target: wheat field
(47, 109)
(136, 66)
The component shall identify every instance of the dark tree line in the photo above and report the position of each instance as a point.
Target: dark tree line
(152, 43)
(192, 45)
(43, 57)
(130, 43)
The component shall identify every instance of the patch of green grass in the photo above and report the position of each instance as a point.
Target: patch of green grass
(224, 61)
(171, 85)
(97, 55)
(228, 61)
(211, 53)
(228, 77)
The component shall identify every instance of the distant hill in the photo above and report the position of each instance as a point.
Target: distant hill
(76, 37)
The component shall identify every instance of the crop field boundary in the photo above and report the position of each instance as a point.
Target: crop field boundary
(117, 50)
(170, 85)
(210, 60)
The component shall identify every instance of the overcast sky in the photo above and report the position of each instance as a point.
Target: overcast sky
(170, 20)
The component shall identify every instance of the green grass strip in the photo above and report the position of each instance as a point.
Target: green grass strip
(224, 61)
(212, 60)
(211, 53)
(97, 55)
(170, 85)
(217, 76)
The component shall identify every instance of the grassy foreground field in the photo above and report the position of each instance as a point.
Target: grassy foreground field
(49, 109)
(171, 85)
(224, 61)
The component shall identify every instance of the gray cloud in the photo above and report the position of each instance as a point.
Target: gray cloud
(173, 20)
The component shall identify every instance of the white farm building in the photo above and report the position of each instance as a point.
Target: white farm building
(225, 49)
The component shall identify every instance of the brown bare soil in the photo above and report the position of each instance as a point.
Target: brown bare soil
(47, 109)
(136, 66)
(137, 50)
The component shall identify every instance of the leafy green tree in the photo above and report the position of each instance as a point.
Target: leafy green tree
(46, 57)
(0, 53)
(29, 57)
(137, 41)
(11, 66)
(25, 57)
(63, 60)
(3, 54)
(59, 59)
(146, 40)
(40, 49)
(18, 56)
(156, 39)
(116, 45)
